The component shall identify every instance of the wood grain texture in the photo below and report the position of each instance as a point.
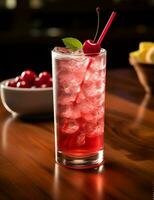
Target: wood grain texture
(28, 170)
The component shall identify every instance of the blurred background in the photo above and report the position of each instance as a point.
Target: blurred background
(29, 29)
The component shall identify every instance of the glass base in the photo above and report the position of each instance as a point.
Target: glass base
(91, 161)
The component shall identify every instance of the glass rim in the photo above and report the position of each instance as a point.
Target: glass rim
(71, 54)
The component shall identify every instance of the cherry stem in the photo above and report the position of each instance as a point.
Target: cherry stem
(98, 17)
(106, 28)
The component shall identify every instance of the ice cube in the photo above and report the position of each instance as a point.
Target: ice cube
(66, 99)
(80, 97)
(86, 106)
(99, 113)
(68, 88)
(98, 100)
(98, 63)
(89, 127)
(96, 129)
(88, 117)
(93, 88)
(89, 88)
(69, 65)
(69, 78)
(94, 83)
(81, 139)
(71, 89)
(69, 126)
(95, 115)
(69, 111)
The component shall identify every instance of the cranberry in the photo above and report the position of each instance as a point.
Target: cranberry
(28, 76)
(29, 79)
(44, 85)
(11, 83)
(38, 82)
(44, 76)
(49, 83)
(18, 79)
(22, 84)
(90, 47)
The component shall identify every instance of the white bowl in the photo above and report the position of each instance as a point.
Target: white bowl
(27, 101)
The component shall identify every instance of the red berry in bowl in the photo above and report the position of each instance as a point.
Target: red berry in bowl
(44, 85)
(18, 79)
(11, 83)
(49, 83)
(38, 82)
(22, 84)
(28, 76)
(44, 76)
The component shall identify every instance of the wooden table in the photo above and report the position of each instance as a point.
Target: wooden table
(28, 170)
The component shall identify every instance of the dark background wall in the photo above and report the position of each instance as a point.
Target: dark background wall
(29, 29)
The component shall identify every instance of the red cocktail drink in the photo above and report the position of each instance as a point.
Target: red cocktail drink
(79, 95)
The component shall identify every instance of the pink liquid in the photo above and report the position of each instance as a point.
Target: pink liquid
(80, 95)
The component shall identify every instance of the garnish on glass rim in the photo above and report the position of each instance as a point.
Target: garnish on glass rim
(90, 46)
(72, 43)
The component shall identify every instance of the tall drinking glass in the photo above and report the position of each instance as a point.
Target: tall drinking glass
(79, 96)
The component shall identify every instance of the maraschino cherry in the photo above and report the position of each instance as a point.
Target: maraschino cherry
(90, 46)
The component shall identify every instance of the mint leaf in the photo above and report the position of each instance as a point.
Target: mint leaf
(72, 43)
